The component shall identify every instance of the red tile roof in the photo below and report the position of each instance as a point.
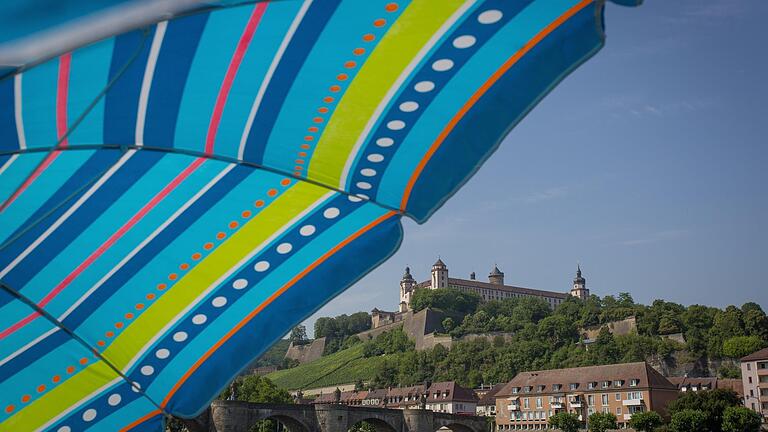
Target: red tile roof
(758, 355)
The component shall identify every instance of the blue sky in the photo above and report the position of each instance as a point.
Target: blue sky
(648, 165)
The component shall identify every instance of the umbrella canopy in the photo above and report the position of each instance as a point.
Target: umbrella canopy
(177, 196)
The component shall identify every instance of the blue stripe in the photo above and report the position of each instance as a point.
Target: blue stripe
(8, 138)
(99, 202)
(296, 53)
(518, 91)
(122, 101)
(171, 71)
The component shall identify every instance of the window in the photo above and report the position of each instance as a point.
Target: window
(515, 390)
(634, 383)
(538, 403)
(525, 403)
(590, 400)
(749, 366)
(750, 380)
(604, 399)
(557, 387)
(574, 386)
(618, 396)
(618, 383)
(606, 410)
(591, 385)
(606, 384)
(618, 411)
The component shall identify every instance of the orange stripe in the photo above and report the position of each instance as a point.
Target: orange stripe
(272, 298)
(482, 90)
(141, 420)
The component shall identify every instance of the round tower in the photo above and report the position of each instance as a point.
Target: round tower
(579, 288)
(496, 276)
(407, 283)
(439, 275)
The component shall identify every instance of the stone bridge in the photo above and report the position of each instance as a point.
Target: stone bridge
(234, 416)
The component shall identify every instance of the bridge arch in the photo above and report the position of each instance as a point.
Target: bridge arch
(455, 427)
(378, 425)
(291, 424)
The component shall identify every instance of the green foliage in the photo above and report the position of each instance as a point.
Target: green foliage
(728, 371)
(391, 342)
(601, 422)
(337, 330)
(566, 422)
(258, 389)
(688, 420)
(740, 419)
(363, 426)
(740, 346)
(273, 356)
(645, 421)
(446, 299)
(448, 324)
(298, 335)
(710, 403)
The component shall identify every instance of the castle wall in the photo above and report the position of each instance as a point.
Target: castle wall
(307, 352)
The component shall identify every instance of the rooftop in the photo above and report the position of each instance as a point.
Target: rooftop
(758, 355)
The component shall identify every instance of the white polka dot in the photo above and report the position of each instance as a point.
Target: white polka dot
(136, 387)
(375, 157)
(368, 172)
(363, 196)
(442, 65)
(409, 106)
(490, 16)
(424, 86)
(180, 336)
(261, 266)
(331, 212)
(284, 248)
(307, 230)
(364, 185)
(396, 125)
(465, 41)
(384, 142)
(89, 414)
(240, 284)
(114, 399)
(147, 370)
(64, 429)
(219, 301)
(354, 198)
(199, 319)
(162, 353)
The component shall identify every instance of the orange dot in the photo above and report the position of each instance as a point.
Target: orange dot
(342, 77)
(313, 128)
(317, 119)
(300, 161)
(305, 146)
(162, 286)
(302, 154)
(350, 64)
(56, 378)
(101, 343)
(119, 325)
(297, 173)
(220, 235)
(322, 110)
(10, 408)
(298, 168)
(196, 256)
(259, 203)
(41, 388)
(246, 214)
(184, 266)
(129, 316)
(368, 37)
(208, 246)
(358, 51)
(150, 296)
(272, 192)
(285, 182)
(391, 7)
(309, 138)
(70, 369)
(233, 224)
(109, 334)
(26, 398)
(335, 88)
(139, 306)
(83, 360)
(379, 22)
(328, 99)
(173, 276)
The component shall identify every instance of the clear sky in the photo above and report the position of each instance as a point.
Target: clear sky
(648, 165)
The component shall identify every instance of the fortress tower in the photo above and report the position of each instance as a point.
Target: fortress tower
(407, 284)
(579, 286)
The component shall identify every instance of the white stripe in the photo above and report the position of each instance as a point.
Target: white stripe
(80, 403)
(68, 213)
(146, 83)
(225, 276)
(8, 163)
(17, 110)
(268, 76)
(127, 258)
(397, 84)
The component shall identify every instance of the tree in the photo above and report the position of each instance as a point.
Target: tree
(448, 324)
(259, 389)
(688, 421)
(739, 346)
(566, 422)
(601, 422)
(298, 335)
(645, 421)
(447, 299)
(711, 403)
(740, 419)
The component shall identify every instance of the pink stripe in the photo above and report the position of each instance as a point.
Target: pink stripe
(107, 244)
(62, 93)
(234, 65)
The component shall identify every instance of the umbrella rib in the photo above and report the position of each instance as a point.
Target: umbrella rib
(45, 314)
